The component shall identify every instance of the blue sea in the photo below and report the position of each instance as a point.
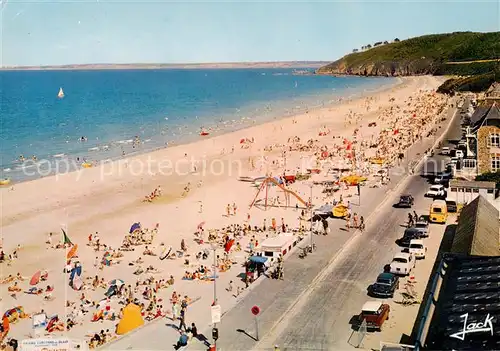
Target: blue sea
(110, 108)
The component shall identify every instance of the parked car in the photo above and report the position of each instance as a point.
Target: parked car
(423, 227)
(409, 235)
(385, 286)
(417, 248)
(405, 201)
(375, 313)
(451, 205)
(443, 178)
(402, 263)
(459, 154)
(436, 190)
(445, 150)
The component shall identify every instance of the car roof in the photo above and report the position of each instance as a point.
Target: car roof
(402, 255)
(436, 186)
(385, 276)
(416, 241)
(371, 306)
(412, 230)
(439, 203)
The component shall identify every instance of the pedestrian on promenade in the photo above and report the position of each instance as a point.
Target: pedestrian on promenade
(348, 221)
(361, 224)
(175, 311)
(355, 220)
(182, 318)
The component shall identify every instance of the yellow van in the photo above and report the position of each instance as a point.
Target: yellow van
(438, 212)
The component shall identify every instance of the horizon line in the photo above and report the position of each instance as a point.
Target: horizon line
(242, 64)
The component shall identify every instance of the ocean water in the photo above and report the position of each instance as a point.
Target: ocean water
(111, 107)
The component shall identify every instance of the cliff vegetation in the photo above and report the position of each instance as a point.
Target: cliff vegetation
(458, 54)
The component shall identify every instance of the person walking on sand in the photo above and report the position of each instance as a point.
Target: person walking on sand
(182, 319)
(228, 210)
(235, 208)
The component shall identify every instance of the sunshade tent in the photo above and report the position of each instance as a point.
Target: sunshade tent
(132, 319)
(134, 227)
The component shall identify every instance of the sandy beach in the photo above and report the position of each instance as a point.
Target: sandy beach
(176, 192)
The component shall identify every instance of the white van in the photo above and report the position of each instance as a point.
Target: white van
(459, 154)
(281, 244)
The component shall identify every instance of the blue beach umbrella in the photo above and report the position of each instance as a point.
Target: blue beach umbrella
(134, 227)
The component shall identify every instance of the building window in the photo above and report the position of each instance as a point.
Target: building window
(495, 162)
(468, 190)
(475, 190)
(454, 190)
(490, 191)
(494, 140)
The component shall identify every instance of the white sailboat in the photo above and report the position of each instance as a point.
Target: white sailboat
(60, 95)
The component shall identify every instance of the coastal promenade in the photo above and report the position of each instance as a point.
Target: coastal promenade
(324, 303)
(321, 322)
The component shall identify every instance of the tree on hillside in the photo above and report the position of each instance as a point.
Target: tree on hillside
(354, 50)
(369, 46)
(386, 42)
(396, 40)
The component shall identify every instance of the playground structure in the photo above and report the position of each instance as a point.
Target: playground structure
(270, 181)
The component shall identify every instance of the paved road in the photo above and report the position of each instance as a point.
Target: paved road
(321, 321)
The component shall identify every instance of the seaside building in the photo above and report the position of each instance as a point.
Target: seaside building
(461, 307)
(483, 136)
(493, 92)
(464, 192)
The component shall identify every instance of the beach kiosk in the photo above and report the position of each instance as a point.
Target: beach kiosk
(271, 248)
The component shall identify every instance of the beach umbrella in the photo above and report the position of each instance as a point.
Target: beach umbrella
(35, 279)
(134, 227)
(242, 141)
(228, 245)
(116, 282)
(165, 253)
(66, 239)
(201, 225)
(72, 252)
(52, 323)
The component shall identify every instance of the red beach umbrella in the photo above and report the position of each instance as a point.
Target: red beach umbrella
(35, 279)
(228, 245)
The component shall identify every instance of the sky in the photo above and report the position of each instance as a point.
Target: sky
(42, 32)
